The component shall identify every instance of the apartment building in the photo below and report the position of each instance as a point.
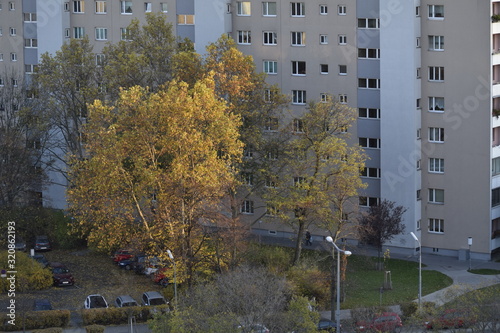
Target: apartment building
(422, 74)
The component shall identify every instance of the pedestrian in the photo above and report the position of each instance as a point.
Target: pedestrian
(308, 238)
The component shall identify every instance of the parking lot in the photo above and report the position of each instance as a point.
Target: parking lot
(94, 274)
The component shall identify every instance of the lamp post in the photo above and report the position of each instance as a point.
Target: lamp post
(347, 253)
(171, 256)
(419, 270)
(469, 241)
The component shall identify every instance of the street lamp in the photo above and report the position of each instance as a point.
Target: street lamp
(347, 253)
(419, 270)
(469, 241)
(171, 256)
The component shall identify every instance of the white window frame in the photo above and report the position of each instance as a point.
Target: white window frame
(323, 9)
(244, 37)
(324, 69)
(30, 43)
(269, 38)
(99, 59)
(78, 6)
(126, 7)
(243, 8)
(78, 32)
(270, 67)
(1, 56)
(368, 201)
(366, 53)
(101, 33)
(66, 6)
(13, 56)
(298, 38)
(247, 207)
(368, 23)
(164, 7)
(299, 68)
(436, 43)
(436, 14)
(436, 196)
(100, 7)
(124, 34)
(30, 68)
(271, 124)
(323, 39)
(148, 7)
(369, 113)
(297, 9)
(436, 73)
(342, 39)
(342, 69)
(267, 9)
(67, 33)
(12, 5)
(29, 17)
(298, 181)
(324, 97)
(343, 98)
(371, 143)
(436, 102)
(436, 134)
(417, 11)
(12, 31)
(341, 10)
(436, 165)
(368, 172)
(368, 83)
(436, 226)
(299, 97)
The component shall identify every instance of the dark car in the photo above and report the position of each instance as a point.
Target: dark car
(327, 325)
(61, 275)
(42, 243)
(40, 258)
(42, 305)
(125, 300)
(384, 322)
(132, 262)
(451, 318)
(20, 244)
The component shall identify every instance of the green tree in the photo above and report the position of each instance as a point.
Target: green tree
(157, 167)
(319, 172)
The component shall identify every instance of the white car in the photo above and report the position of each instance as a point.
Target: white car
(95, 301)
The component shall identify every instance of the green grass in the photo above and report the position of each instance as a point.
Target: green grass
(485, 271)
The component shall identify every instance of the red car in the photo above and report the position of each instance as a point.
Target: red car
(451, 318)
(160, 277)
(383, 322)
(61, 275)
(122, 255)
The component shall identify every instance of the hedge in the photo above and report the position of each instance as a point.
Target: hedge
(118, 316)
(38, 320)
(94, 329)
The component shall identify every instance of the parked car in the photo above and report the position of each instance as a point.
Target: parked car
(160, 276)
(384, 322)
(327, 325)
(125, 300)
(153, 298)
(95, 301)
(42, 305)
(61, 275)
(42, 243)
(131, 263)
(122, 254)
(20, 244)
(40, 258)
(451, 318)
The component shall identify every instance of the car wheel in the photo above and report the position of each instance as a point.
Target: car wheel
(127, 267)
(397, 330)
(164, 282)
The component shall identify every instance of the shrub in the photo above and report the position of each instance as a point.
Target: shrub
(275, 258)
(311, 282)
(49, 330)
(39, 320)
(408, 309)
(94, 329)
(30, 274)
(117, 316)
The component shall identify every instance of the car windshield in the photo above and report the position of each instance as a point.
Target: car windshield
(157, 301)
(97, 302)
(60, 270)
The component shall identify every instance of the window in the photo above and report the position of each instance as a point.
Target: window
(126, 7)
(298, 9)
(12, 31)
(342, 40)
(370, 172)
(269, 95)
(247, 178)
(99, 59)
(270, 67)
(436, 43)
(368, 53)
(2, 107)
(299, 97)
(30, 42)
(78, 6)
(417, 11)
(12, 5)
(298, 38)
(419, 133)
(298, 126)
(147, 7)
(342, 10)
(369, 83)
(436, 134)
(272, 154)
(1, 56)
(495, 166)
(272, 211)
(299, 68)
(78, 32)
(243, 8)
(66, 6)
(419, 197)
(369, 143)
(67, 33)
(100, 7)
(269, 38)
(418, 73)
(369, 113)
(14, 83)
(436, 225)
(101, 33)
(248, 151)
(323, 9)
(184, 19)
(244, 37)
(417, 42)
(247, 207)
(368, 23)
(324, 97)
(323, 68)
(436, 165)
(342, 69)
(436, 73)
(417, 103)
(164, 7)
(299, 181)
(124, 34)
(271, 182)
(342, 98)
(271, 124)
(368, 201)
(436, 12)
(1, 31)
(436, 196)
(29, 17)
(323, 39)
(436, 104)
(268, 8)
(13, 56)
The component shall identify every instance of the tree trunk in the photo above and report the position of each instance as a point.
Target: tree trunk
(298, 243)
